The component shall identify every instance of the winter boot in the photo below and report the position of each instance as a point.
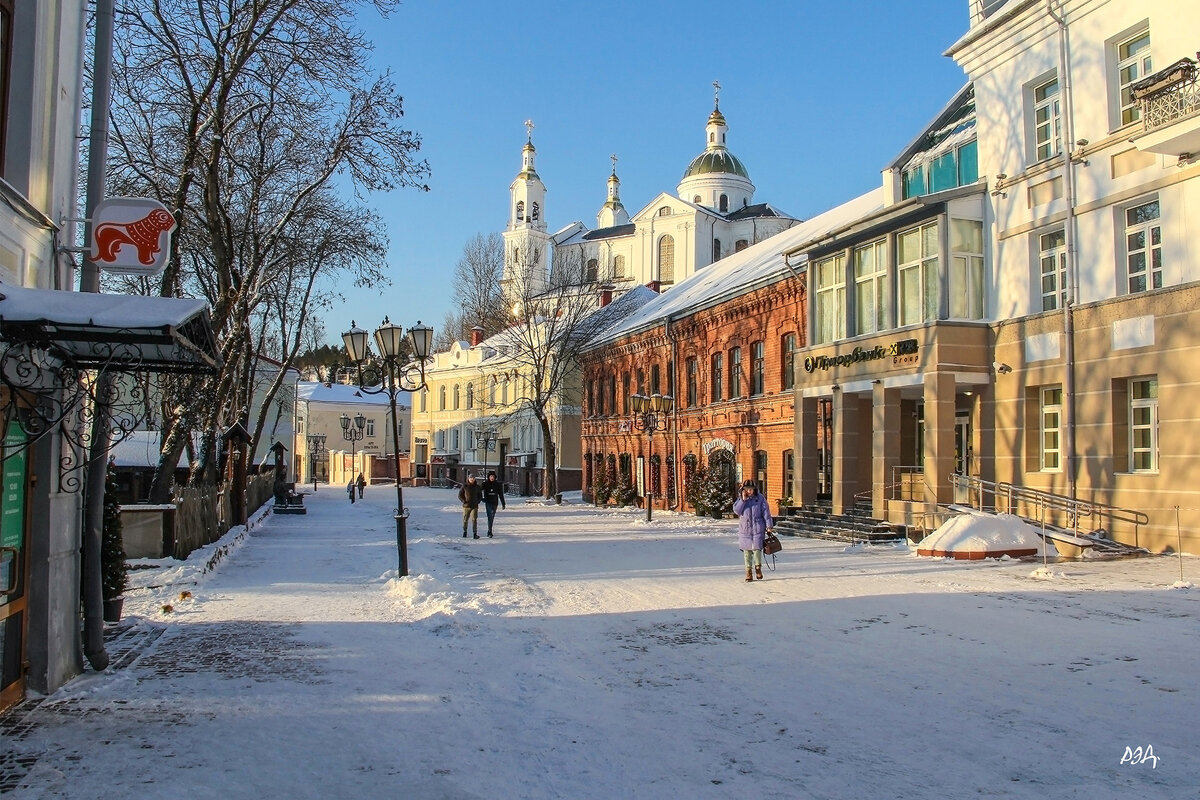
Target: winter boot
(749, 575)
(758, 571)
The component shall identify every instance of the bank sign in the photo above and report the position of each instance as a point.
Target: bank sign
(901, 352)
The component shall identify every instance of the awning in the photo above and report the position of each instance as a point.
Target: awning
(125, 333)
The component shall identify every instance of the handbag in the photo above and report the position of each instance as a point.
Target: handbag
(771, 544)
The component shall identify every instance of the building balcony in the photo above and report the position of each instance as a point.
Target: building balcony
(1169, 101)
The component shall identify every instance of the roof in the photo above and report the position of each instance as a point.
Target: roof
(142, 449)
(756, 210)
(758, 265)
(611, 233)
(340, 393)
(91, 330)
(717, 159)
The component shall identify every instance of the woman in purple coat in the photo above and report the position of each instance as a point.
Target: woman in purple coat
(754, 520)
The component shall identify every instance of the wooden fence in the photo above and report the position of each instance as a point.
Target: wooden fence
(202, 513)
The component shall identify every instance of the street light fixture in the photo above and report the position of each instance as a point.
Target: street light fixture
(485, 440)
(650, 414)
(401, 377)
(353, 433)
(316, 449)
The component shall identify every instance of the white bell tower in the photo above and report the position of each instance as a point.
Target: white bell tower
(526, 243)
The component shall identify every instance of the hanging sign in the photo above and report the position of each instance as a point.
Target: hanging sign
(131, 235)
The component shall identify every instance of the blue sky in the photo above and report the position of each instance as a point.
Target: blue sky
(819, 97)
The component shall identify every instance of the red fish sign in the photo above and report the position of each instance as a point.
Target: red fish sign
(131, 235)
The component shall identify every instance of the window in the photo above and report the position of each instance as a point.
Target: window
(671, 379)
(724, 203)
(441, 440)
(1047, 123)
(455, 439)
(829, 275)
(740, 245)
(641, 381)
(612, 394)
(666, 260)
(789, 472)
(1133, 64)
(758, 367)
(760, 470)
(655, 380)
(424, 399)
(1143, 425)
(457, 397)
(665, 211)
(593, 269)
(1051, 429)
(1143, 247)
(520, 211)
(787, 372)
(914, 182)
(504, 392)
(618, 266)
(966, 269)
(1052, 256)
(870, 287)
(625, 392)
(492, 391)
(917, 274)
(441, 398)
(716, 379)
(735, 373)
(370, 431)
(470, 395)
(692, 374)
(716, 249)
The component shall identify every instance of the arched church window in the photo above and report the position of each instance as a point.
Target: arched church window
(457, 396)
(696, 199)
(535, 212)
(520, 211)
(618, 266)
(724, 204)
(593, 267)
(666, 259)
(470, 395)
(740, 245)
(665, 211)
(716, 249)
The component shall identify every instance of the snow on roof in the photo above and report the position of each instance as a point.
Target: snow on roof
(142, 449)
(340, 393)
(18, 303)
(757, 265)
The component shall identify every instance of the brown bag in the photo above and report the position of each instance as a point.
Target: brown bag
(771, 544)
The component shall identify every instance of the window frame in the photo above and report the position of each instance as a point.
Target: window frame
(788, 345)
(692, 373)
(875, 281)
(1047, 133)
(666, 258)
(1053, 255)
(758, 368)
(717, 376)
(829, 303)
(966, 278)
(735, 373)
(1148, 402)
(926, 266)
(1150, 249)
(1128, 111)
(1050, 419)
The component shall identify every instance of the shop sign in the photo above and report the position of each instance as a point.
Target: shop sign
(131, 235)
(12, 522)
(901, 352)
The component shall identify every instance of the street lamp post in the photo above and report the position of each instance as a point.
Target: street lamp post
(485, 440)
(650, 414)
(353, 433)
(408, 377)
(316, 449)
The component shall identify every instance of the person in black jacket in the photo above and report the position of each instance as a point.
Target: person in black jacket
(469, 496)
(493, 495)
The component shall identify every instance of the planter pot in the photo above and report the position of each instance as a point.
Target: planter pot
(112, 609)
(716, 514)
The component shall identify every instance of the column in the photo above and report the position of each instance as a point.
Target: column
(939, 435)
(885, 445)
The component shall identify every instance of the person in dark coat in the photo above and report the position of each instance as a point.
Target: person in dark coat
(361, 483)
(469, 495)
(754, 521)
(350, 490)
(493, 495)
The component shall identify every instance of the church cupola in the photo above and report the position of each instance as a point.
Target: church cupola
(527, 192)
(716, 178)
(612, 213)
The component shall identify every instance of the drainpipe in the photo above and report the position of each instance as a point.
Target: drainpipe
(1064, 79)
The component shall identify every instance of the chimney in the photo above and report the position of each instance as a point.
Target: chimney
(606, 292)
(476, 336)
(654, 286)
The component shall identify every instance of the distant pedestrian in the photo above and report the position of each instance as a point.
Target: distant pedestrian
(362, 483)
(754, 520)
(469, 495)
(350, 490)
(493, 495)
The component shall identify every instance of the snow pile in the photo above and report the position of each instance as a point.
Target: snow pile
(974, 536)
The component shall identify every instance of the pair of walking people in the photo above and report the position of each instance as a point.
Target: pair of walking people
(472, 493)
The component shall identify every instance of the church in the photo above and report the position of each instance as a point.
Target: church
(711, 214)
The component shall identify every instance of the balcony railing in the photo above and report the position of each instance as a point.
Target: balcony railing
(1168, 95)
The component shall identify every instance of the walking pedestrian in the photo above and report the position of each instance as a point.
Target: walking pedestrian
(350, 490)
(361, 483)
(493, 495)
(754, 520)
(469, 495)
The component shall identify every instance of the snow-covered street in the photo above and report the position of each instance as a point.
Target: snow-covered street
(589, 654)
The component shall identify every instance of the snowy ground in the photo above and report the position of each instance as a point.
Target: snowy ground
(588, 654)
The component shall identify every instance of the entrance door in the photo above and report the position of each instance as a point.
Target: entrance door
(14, 573)
(962, 455)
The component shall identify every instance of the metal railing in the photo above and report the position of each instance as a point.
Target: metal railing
(1168, 95)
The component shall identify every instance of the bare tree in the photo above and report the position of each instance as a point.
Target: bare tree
(241, 114)
(476, 292)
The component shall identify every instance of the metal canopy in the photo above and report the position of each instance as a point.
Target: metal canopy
(125, 333)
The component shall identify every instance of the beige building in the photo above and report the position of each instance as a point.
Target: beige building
(1014, 329)
(319, 409)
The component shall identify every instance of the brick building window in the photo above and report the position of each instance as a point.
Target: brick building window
(787, 350)
(717, 378)
(693, 377)
(758, 368)
(735, 373)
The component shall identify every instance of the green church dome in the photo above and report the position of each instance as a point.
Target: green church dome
(718, 160)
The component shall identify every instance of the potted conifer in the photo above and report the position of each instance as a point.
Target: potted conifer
(113, 572)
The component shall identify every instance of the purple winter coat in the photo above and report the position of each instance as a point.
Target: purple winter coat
(754, 517)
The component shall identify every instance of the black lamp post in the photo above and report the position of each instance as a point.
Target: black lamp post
(485, 440)
(316, 449)
(353, 433)
(401, 377)
(650, 414)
